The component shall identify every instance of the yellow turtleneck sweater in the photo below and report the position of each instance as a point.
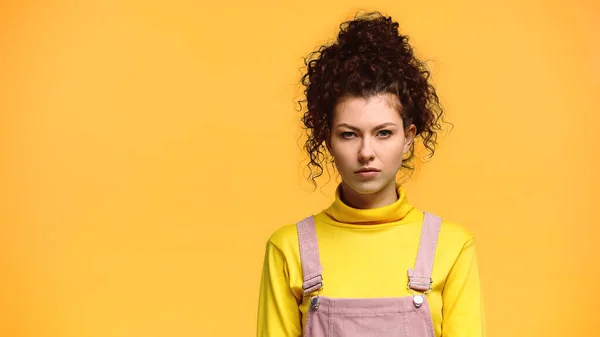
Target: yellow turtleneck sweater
(366, 253)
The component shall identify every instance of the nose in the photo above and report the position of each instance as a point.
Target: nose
(366, 152)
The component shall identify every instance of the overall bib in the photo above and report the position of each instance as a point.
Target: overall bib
(407, 316)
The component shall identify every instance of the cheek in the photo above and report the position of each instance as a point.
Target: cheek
(341, 154)
(393, 153)
(394, 158)
(333, 150)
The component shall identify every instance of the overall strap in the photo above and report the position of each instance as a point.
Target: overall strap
(419, 279)
(309, 255)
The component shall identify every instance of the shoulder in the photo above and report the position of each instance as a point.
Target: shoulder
(455, 240)
(284, 235)
(455, 231)
(285, 239)
(453, 236)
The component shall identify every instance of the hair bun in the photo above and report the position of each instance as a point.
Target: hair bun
(371, 32)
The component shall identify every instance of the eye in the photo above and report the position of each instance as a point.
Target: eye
(347, 134)
(385, 133)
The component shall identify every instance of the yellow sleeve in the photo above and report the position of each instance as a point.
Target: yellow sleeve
(278, 311)
(462, 302)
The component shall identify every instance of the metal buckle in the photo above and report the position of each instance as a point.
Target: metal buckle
(318, 290)
(306, 294)
(418, 297)
(428, 285)
(314, 300)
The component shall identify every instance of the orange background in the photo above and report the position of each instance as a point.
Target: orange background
(150, 147)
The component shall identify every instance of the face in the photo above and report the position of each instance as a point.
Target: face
(368, 141)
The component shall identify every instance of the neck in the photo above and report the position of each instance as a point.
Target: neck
(386, 196)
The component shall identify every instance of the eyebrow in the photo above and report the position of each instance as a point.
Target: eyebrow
(380, 126)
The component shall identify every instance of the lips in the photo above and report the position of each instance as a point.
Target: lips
(367, 169)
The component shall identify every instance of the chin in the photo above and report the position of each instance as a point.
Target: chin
(366, 187)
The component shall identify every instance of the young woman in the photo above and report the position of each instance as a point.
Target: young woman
(371, 264)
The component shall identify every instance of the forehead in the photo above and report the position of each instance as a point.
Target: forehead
(367, 112)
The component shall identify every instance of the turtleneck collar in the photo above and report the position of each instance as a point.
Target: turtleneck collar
(341, 214)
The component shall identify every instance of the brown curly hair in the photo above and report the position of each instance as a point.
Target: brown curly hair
(368, 58)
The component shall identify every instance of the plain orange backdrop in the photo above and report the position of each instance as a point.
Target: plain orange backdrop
(149, 148)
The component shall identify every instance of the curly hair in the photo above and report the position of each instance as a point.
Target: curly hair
(368, 58)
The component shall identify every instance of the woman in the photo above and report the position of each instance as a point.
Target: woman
(389, 268)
